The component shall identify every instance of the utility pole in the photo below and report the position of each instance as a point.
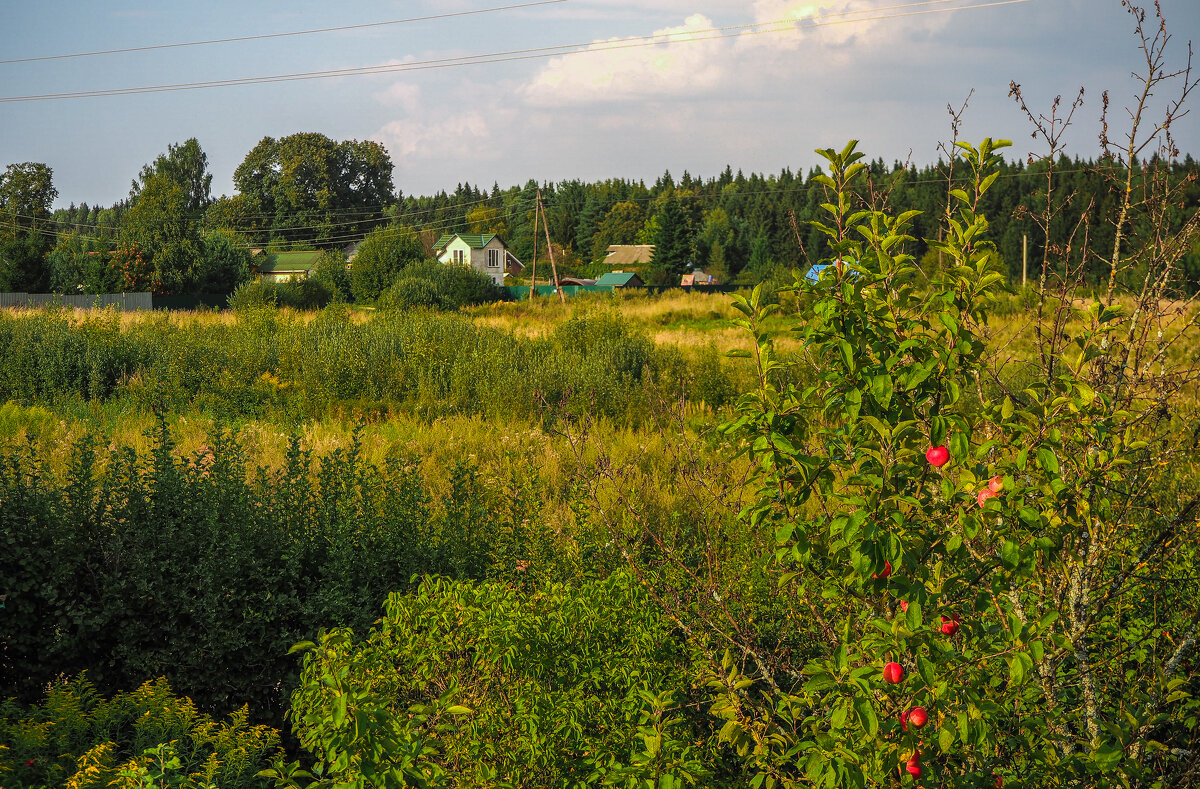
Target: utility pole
(1024, 258)
(533, 276)
(550, 248)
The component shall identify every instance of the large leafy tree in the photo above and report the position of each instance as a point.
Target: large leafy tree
(185, 164)
(26, 226)
(311, 188)
(160, 224)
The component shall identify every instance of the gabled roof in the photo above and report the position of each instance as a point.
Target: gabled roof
(473, 240)
(276, 262)
(619, 279)
(628, 254)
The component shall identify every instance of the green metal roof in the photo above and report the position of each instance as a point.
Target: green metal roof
(272, 262)
(473, 240)
(619, 279)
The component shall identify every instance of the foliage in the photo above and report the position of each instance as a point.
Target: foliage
(26, 194)
(160, 225)
(439, 286)
(186, 165)
(304, 186)
(226, 262)
(205, 571)
(330, 273)
(508, 684)
(424, 364)
(75, 738)
(1032, 670)
(383, 254)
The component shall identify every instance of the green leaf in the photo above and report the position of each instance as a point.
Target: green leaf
(866, 715)
(925, 669)
(946, 737)
(960, 447)
(1010, 555)
(847, 354)
(1016, 671)
(882, 388)
(1047, 460)
(1107, 757)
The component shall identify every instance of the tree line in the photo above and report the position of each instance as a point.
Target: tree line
(307, 191)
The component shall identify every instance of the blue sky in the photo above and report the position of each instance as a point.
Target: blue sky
(757, 101)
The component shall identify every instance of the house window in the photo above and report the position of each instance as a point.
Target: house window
(493, 258)
(459, 257)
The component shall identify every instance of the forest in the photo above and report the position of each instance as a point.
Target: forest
(306, 191)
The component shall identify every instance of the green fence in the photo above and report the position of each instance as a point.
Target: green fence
(520, 293)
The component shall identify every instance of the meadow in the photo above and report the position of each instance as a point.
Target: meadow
(891, 526)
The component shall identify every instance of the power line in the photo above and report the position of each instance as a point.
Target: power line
(260, 37)
(632, 42)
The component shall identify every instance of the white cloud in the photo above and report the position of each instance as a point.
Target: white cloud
(453, 134)
(404, 96)
(608, 70)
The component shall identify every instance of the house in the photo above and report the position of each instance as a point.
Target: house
(621, 279)
(283, 266)
(697, 277)
(628, 256)
(484, 252)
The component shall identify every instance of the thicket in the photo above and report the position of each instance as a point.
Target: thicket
(268, 364)
(76, 738)
(206, 571)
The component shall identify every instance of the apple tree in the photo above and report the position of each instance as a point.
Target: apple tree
(1027, 596)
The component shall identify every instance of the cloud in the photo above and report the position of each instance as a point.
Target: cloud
(453, 134)
(404, 96)
(609, 71)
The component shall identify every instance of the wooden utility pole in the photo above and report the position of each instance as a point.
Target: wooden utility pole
(550, 248)
(1024, 258)
(533, 276)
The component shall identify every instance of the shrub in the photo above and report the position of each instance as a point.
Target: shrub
(433, 284)
(75, 738)
(383, 254)
(471, 684)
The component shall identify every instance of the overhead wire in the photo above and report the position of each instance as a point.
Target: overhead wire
(631, 42)
(263, 36)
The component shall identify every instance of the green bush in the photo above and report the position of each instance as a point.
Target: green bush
(475, 684)
(383, 254)
(197, 569)
(148, 737)
(439, 286)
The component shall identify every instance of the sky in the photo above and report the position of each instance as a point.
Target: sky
(563, 89)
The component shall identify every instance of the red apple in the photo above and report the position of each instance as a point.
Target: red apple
(984, 495)
(913, 767)
(917, 717)
(949, 625)
(904, 606)
(887, 570)
(999, 780)
(903, 718)
(996, 484)
(893, 673)
(937, 456)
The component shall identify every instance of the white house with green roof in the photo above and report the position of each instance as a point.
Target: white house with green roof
(283, 266)
(484, 252)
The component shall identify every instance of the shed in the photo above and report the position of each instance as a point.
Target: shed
(621, 279)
